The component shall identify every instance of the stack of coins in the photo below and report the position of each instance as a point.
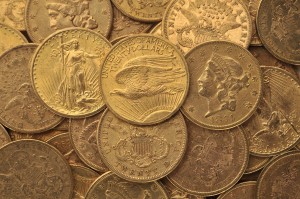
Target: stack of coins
(137, 99)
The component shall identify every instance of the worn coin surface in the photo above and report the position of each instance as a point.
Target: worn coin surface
(44, 136)
(214, 161)
(142, 10)
(44, 17)
(279, 28)
(83, 134)
(225, 85)
(144, 79)
(10, 38)
(189, 23)
(141, 153)
(63, 144)
(275, 126)
(256, 163)
(245, 190)
(12, 13)
(34, 169)
(281, 178)
(20, 108)
(83, 179)
(123, 26)
(110, 186)
(65, 71)
(4, 137)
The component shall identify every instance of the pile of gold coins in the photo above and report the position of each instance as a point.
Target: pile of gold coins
(149, 99)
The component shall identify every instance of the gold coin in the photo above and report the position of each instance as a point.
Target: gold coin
(144, 79)
(281, 178)
(44, 17)
(83, 135)
(34, 169)
(83, 179)
(225, 85)
(142, 10)
(245, 190)
(189, 23)
(141, 153)
(279, 29)
(214, 161)
(21, 110)
(110, 185)
(124, 26)
(275, 125)
(13, 13)
(4, 137)
(44, 136)
(65, 71)
(157, 30)
(256, 163)
(63, 144)
(10, 38)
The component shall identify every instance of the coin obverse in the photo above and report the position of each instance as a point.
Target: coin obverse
(65, 72)
(189, 23)
(148, 152)
(225, 85)
(281, 178)
(13, 13)
(34, 169)
(279, 28)
(110, 185)
(20, 108)
(246, 190)
(44, 17)
(144, 79)
(214, 161)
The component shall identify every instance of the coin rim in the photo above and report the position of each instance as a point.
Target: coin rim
(237, 186)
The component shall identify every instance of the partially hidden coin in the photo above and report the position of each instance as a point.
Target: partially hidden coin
(110, 186)
(12, 35)
(83, 135)
(141, 153)
(214, 161)
(189, 23)
(83, 179)
(65, 71)
(44, 136)
(256, 163)
(275, 126)
(144, 79)
(44, 17)
(13, 13)
(20, 108)
(279, 28)
(157, 30)
(225, 85)
(4, 137)
(245, 190)
(34, 169)
(281, 178)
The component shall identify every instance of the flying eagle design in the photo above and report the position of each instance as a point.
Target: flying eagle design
(147, 76)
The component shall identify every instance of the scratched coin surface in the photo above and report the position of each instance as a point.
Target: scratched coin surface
(141, 153)
(83, 179)
(142, 10)
(189, 23)
(110, 186)
(123, 25)
(33, 169)
(10, 38)
(20, 108)
(214, 161)
(65, 71)
(4, 137)
(225, 85)
(279, 28)
(144, 79)
(12, 13)
(281, 178)
(44, 17)
(275, 125)
(245, 190)
(256, 163)
(83, 134)
(63, 144)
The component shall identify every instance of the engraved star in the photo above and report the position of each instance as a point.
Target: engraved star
(35, 2)
(191, 60)
(34, 29)
(254, 93)
(191, 108)
(32, 16)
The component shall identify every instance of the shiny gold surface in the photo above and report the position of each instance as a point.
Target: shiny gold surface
(13, 13)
